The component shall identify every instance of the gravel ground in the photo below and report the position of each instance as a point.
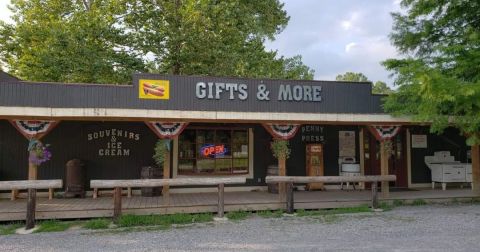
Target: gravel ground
(418, 228)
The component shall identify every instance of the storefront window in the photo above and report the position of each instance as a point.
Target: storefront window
(213, 151)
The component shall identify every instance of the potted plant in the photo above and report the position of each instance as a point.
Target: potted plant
(38, 154)
(155, 172)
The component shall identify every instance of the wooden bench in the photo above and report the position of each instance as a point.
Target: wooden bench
(31, 186)
(290, 180)
(117, 185)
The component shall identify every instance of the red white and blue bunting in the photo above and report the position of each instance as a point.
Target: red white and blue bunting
(384, 132)
(33, 128)
(167, 130)
(282, 131)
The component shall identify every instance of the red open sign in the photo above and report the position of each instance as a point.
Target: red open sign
(213, 150)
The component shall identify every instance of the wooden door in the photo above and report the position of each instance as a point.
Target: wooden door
(315, 165)
(397, 161)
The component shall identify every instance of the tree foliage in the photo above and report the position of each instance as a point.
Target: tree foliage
(378, 87)
(66, 41)
(351, 76)
(439, 74)
(104, 41)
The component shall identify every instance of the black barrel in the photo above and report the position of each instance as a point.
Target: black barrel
(151, 172)
(272, 170)
(74, 179)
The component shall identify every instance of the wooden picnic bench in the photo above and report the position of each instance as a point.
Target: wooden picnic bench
(32, 186)
(117, 185)
(290, 180)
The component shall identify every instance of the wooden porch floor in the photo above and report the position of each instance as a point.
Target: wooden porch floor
(207, 202)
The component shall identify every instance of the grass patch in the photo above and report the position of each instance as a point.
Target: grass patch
(270, 214)
(346, 210)
(237, 215)
(9, 228)
(97, 224)
(53, 226)
(385, 206)
(475, 200)
(419, 202)
(398, 202)
(162, 220)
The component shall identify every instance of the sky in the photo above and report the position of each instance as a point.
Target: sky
(332, 36)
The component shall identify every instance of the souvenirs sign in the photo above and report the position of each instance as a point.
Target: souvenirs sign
(113, 145)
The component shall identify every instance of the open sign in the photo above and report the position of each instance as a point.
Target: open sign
(211, 150)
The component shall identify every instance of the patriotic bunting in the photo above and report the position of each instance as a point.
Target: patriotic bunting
(167, 130)
(282, 131)
(383, 132)
(33, 129)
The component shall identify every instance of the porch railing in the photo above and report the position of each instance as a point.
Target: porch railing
(117, 185)
(32, 186)
(290, 180)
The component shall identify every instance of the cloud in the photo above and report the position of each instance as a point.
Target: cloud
(336, 36)
(349, 46)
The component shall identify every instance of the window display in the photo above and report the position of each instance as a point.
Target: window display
(213, 151)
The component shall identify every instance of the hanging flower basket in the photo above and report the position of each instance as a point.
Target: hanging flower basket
(39, 153)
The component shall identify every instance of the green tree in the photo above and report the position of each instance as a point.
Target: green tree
(378, 87)
(439, 74)
(381, 87)
(223, 38)
(351, 76)
(67, 41)
(105, 41)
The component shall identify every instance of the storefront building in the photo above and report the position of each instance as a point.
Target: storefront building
(225, 123)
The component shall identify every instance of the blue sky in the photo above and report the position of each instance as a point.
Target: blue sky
(333, 36)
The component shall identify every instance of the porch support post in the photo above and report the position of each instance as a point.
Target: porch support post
(117, 203)
(384, 169)
(31, 205)
(32, 171)
(374, 195)
(476, 169)
(282, 171)
(166, 175)
(221, 200)
(290, 206)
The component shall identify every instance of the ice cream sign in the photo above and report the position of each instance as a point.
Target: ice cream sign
(210, 150)
(154, 89)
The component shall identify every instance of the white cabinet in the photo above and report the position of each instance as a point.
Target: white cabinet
(445, 170)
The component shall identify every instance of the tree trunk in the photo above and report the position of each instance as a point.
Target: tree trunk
(476, 169)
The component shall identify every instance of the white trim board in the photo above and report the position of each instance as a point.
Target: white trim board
(182, 115)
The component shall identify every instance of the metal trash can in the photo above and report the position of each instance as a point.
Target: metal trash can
(272, 170)
(74, 179)
(151, 172)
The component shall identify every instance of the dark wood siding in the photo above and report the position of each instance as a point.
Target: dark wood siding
(337, 97)
(70, 140)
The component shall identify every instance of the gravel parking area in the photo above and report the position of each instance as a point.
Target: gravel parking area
(412, 228)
